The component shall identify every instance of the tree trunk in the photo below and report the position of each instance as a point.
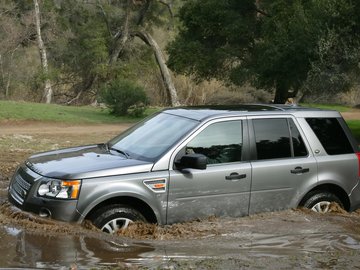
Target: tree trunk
(2, 72)
(7, 81)
(122, 39)
(165, 73)
(48, 92)
(281, 94)
(300, 96)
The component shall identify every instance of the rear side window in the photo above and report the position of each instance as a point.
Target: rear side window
(278, 138)
(331, 135)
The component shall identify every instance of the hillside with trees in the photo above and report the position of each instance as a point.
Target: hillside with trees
(295, 48)
(179, 51)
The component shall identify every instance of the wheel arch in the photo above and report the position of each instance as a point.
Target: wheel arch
(335, 189)
(133, 202)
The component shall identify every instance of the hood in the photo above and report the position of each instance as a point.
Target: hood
(84, 162)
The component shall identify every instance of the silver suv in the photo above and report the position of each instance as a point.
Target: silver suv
(188, 163)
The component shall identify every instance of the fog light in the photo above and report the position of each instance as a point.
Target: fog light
(44, 213)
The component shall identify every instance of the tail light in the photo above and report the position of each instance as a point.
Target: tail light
(358, 156)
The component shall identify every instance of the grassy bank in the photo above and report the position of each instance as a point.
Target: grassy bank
(11, 110)
(23, 111)
(354, 125)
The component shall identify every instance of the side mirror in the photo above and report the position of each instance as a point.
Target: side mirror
(193, 161)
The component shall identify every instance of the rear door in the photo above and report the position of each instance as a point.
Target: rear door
(224, 187)
(282, 166)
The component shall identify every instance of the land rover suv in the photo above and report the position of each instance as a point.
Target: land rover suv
(193, 162)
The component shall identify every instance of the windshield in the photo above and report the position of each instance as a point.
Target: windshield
(151, 138)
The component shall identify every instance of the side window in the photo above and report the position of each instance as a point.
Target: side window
(331, 135)
(272, 138)
(219, 142)
(278, 138)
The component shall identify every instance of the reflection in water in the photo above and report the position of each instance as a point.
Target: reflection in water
(19, 248)
(37, 251)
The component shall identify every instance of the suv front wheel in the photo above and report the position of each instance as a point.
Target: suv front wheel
(113, 218)
(320, 201)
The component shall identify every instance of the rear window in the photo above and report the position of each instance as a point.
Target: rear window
(331, 135)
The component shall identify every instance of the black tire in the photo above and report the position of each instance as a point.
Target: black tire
(112, 218)
(319, 201)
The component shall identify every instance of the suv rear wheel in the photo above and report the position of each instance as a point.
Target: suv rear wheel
(320, 201)
(113, 218)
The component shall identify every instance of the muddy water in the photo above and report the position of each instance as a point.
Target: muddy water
(281, 240)
(24, 249)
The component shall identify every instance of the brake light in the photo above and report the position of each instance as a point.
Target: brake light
(358, 156)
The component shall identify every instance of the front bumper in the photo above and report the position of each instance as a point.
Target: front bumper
(23, 194)
(59, 210)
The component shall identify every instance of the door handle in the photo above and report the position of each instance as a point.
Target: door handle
(235, 176)
(299, 170)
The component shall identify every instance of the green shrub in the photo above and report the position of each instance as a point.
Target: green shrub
(136, 110)
(124, 98)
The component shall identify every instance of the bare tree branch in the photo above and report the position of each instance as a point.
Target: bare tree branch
(121, 39)
(262, 12)
(259, 11)
(168, 5)
(7, 86)
(105, 18)
(143, 11)
(160, 59)
(84, 88)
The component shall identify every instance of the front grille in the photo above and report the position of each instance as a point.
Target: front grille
(19, 188)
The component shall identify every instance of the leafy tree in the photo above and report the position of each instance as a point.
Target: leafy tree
(17, 33)
(81, 51)
(283, 45)
(10, 41)
(214, 38)
(103, 38)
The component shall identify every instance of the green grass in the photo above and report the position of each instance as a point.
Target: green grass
(354, 125)
(11, 110)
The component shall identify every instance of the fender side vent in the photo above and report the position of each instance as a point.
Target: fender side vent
(156, 185)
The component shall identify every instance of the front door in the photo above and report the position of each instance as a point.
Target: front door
(223, 188)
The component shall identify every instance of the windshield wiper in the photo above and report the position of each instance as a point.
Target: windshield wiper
(120, 152)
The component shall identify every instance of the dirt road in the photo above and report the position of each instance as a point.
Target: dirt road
(282, 240)
(353, 115)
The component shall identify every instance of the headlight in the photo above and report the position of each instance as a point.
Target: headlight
(60, 189)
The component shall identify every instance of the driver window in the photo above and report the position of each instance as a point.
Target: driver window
(219, 142)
